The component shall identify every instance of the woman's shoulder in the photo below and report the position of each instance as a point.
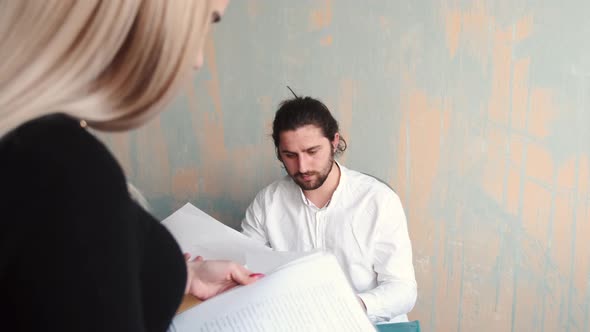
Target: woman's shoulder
(56, 137)
(56, 155)
(54, 130)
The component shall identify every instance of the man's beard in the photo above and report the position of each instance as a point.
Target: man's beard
(319, 177)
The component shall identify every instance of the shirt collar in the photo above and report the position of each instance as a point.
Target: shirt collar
(341, 184)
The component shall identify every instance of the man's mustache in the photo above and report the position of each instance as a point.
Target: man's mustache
(305, 174)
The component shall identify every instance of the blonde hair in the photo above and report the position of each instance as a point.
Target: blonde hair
(112, 63)
(138, 197)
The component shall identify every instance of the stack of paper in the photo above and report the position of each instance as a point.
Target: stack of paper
(301, 291)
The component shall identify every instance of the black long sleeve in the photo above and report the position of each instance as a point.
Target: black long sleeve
(76, 252)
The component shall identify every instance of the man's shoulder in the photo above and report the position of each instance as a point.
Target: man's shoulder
(372, 193)
(366, 182)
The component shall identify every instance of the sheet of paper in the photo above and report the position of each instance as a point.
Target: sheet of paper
(200, 234)
(309, 294)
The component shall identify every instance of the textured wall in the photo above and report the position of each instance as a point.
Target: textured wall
(474, 111)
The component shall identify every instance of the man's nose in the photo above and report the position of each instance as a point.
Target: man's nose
(304, 163)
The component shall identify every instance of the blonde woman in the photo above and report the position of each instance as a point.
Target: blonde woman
(76, 252)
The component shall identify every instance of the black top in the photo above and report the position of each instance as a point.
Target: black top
(76, 252)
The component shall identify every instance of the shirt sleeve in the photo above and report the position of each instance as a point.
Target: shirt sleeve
(397, 290)
(252, 225)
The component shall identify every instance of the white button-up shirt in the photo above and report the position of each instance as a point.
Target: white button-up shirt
(364, 225)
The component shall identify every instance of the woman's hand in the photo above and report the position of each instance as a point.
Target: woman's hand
(206, 279)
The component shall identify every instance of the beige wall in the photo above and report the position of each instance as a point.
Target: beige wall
(476, 112)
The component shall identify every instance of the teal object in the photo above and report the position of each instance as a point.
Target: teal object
(400, 327)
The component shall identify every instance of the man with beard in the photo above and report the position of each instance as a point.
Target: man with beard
(323, 205)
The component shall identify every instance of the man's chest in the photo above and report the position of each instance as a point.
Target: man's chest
(305, 229)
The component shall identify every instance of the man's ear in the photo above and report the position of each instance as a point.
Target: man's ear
(335, 142)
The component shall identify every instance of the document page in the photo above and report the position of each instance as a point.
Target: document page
(308, 294)
(200, 234)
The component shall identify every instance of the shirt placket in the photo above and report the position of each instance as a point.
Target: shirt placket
(320, 224)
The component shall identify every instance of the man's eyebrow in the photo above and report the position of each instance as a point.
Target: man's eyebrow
(313, 148)
(306, 150)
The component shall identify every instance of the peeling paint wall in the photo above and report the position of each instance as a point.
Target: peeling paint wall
(476, 112)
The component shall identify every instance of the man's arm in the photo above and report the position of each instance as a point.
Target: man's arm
(252, 226)
(397, 290)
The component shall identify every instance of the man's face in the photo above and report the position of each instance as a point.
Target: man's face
(307, 155)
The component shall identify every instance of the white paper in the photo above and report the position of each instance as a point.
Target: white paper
(200, 234)
(309, 294)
